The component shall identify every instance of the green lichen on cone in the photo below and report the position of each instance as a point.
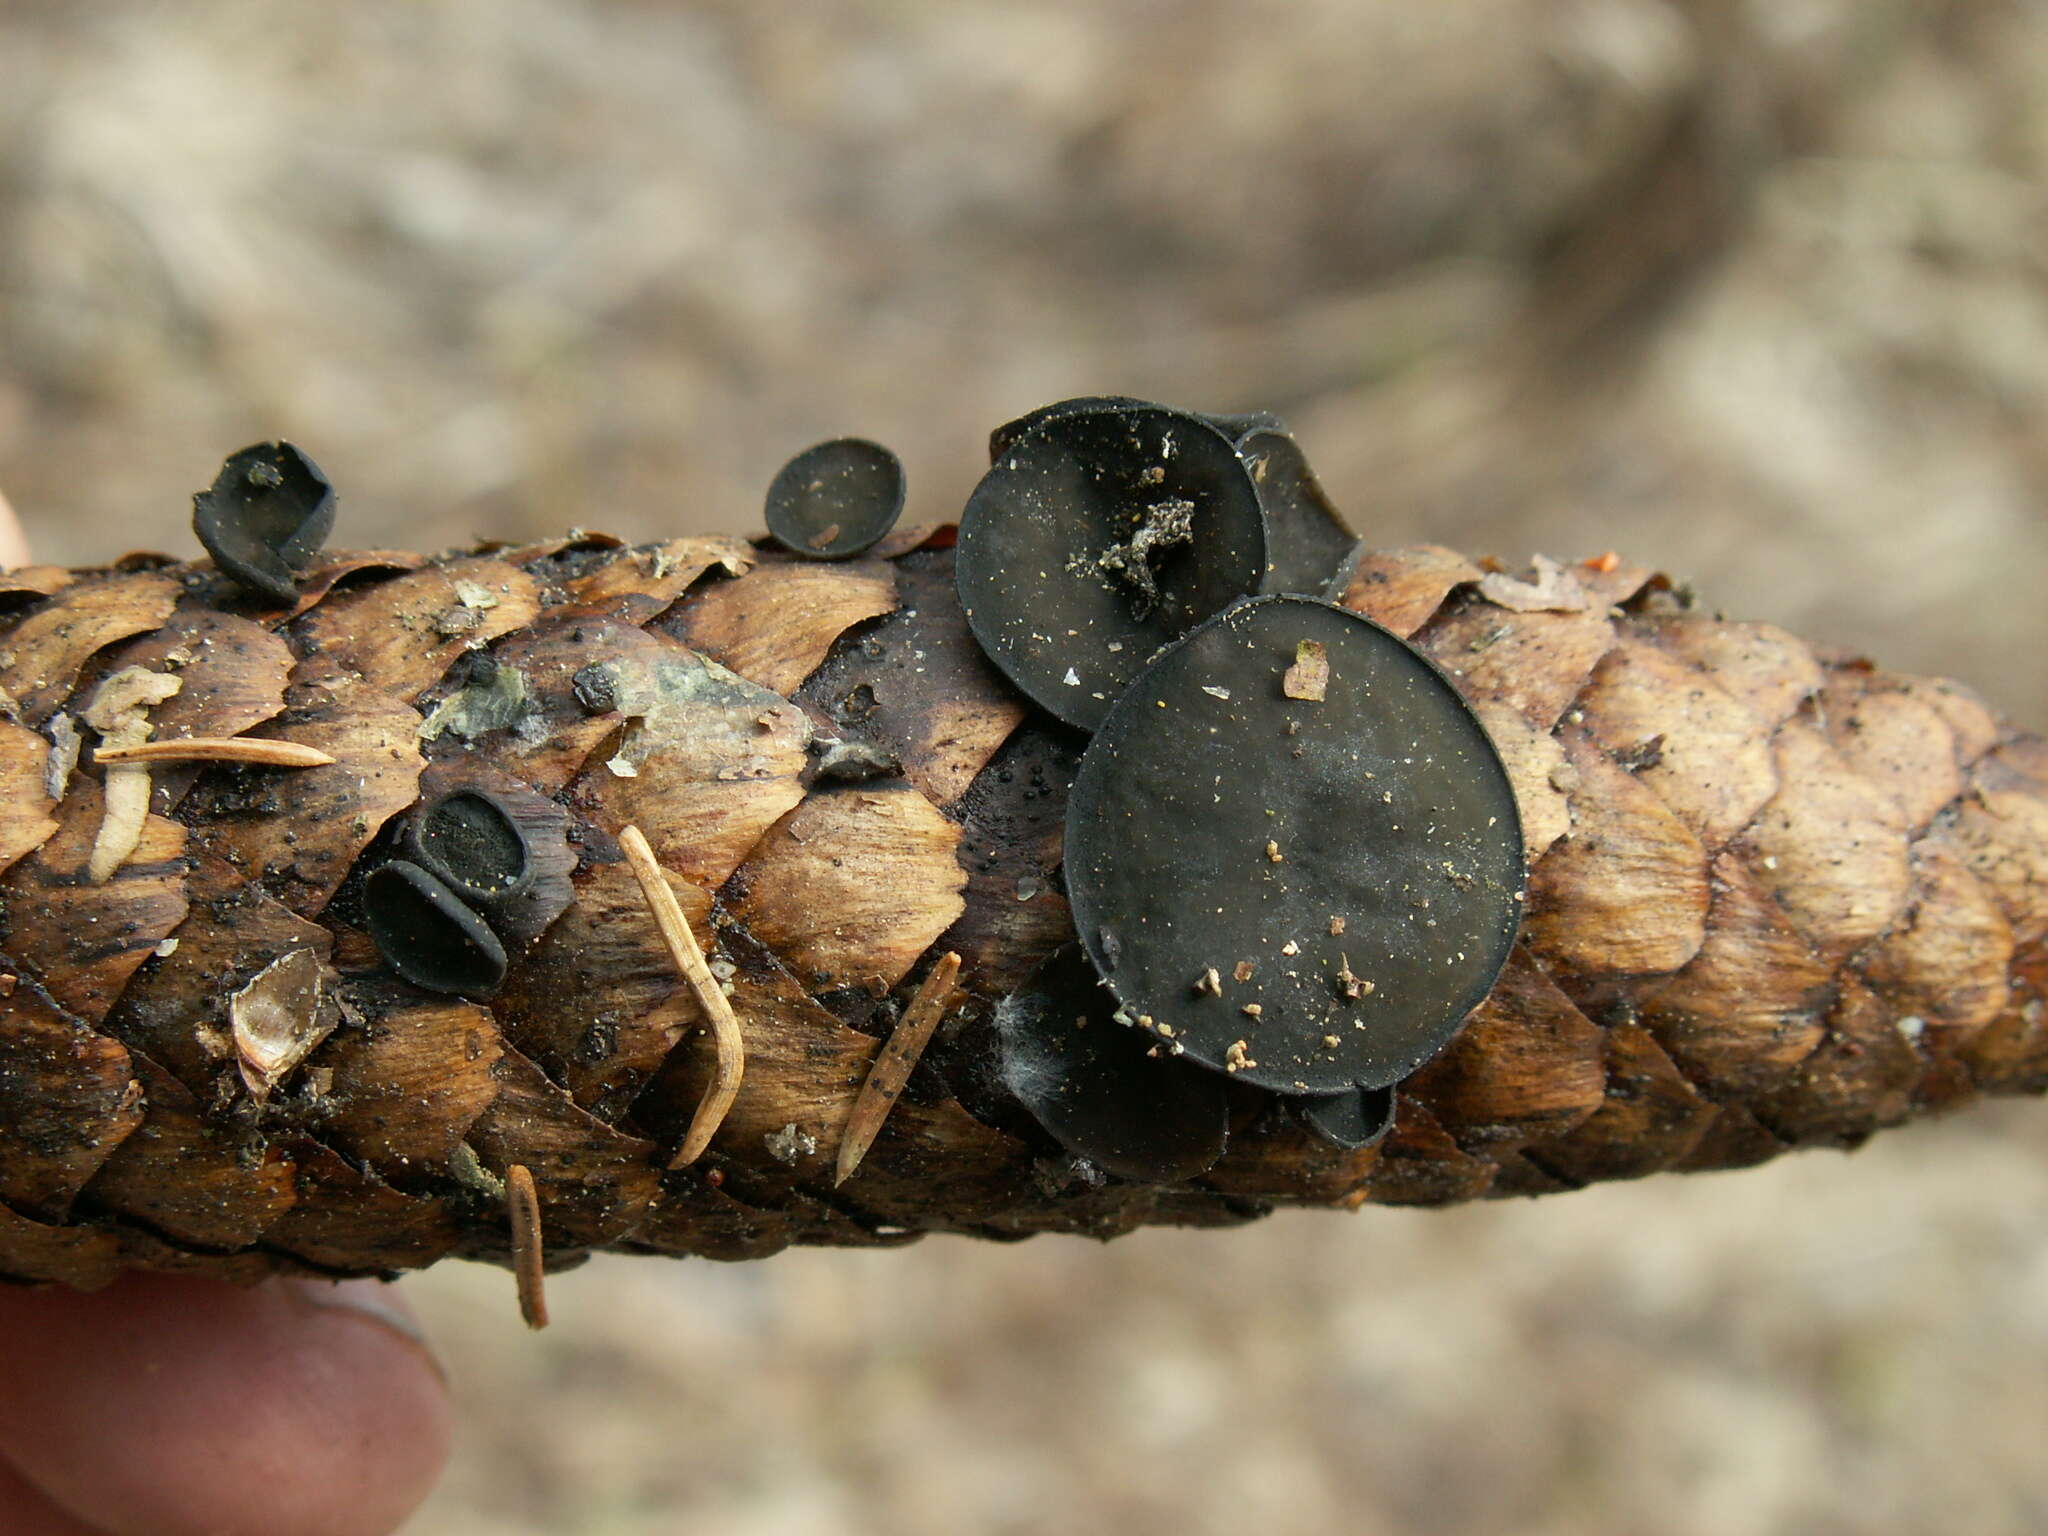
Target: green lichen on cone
(1777, 899)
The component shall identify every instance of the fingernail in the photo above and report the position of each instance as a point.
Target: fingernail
(376, 1300)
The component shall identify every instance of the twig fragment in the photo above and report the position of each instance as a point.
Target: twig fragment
(219, 749)
(522, 1211)
(689, 960)
(893, 1065)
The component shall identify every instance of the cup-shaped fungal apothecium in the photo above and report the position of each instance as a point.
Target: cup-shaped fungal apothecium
(1311, 892)
(264, 518)
(1099, 536)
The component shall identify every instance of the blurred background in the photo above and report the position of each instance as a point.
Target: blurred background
(1753, 292)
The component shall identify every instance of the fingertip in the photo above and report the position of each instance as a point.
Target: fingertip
(26, 1511)
(170, 1405)
(13, 542)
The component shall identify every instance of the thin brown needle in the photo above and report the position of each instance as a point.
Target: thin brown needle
(893, 1065)
(219, 749)
(522, 1210)
(689, 960)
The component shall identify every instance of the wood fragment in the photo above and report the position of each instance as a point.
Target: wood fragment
(522, 1211)
(251, 750)
(689, 959)
(894, 1063)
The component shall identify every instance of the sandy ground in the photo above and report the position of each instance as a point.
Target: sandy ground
(1755, 293)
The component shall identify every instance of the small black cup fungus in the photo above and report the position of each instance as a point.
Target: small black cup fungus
(1351, 1120)
(428, 935)
(265, 517)
(1311, 891)
(498, 844)
(1100, 535)
(1306, 539)
(468, 840)
(1107, 1091)
(835, 499)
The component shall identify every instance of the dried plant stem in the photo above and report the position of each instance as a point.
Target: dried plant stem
(689, 960)
(894, 1063)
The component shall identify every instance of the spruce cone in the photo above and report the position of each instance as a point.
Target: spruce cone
(1779, 898)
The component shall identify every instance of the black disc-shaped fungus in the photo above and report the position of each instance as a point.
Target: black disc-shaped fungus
(1098, 537)
(1116, 1095)
(1232, 425)
(1292, 845)
(1306, 539)
(1002, 438)
(835, 499)
(1351, 1120)
(264, 518)
(427, 934)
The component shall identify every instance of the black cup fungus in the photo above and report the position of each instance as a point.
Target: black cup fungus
(1004, 437)
(1099, 536)
(265, 517)
(1306, 537)
(469, 841)
(1231, 425)
(1351, 1120)
(499, 845)
(835, 499)
(428, 935)
(1106, 1091)
(1311, 892)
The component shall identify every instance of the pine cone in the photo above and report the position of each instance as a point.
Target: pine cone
(1779, 898)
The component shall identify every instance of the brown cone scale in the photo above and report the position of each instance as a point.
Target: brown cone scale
(1778, 898)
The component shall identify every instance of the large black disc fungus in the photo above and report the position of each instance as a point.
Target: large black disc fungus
(1098, 537)
(264, 518)
(1232, 425)
(428, 935)
(835, 499)
(1306, 539)
(1115, 1095)
(1292, 845)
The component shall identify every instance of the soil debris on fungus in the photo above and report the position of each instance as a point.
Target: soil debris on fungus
(1178, 813)
(1104, 531)
(835, 499)
(1095, 1085)
(1309, 678)
(264, 518)
(428, 935)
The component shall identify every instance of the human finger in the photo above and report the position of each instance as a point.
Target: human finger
(172, 1406)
